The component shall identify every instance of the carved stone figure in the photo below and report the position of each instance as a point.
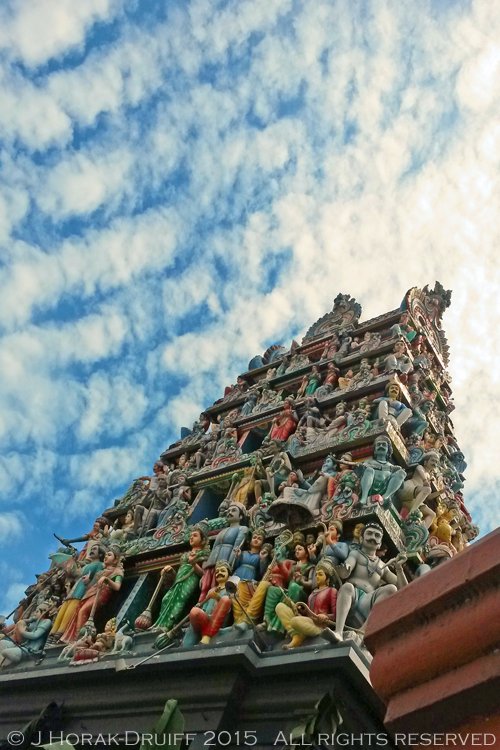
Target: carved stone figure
(403, 328)
(390, 408)
(309, 383)
(380, 476)
(98, 532)
(226, 542)
(86, 578)
(187, 579)
(33, 633)
(416, 490)
(330, 381)
(399, 360)
(98, 593)
(363, 571)
(285, 423)
(321, 606)
(247, 486)
(331, 348)
(211, 615)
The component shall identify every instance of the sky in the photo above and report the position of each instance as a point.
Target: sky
(183, 184)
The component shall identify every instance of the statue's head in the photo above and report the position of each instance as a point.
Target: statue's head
(258, 538)
(324, 572)
(298, 538)
(335, 528)
(301, 551)
(223, 570)
(110, 627)
(382, 448)
(393, 390)
(95, 551)
(430, 460)
(236, 512)
(328, 464)
(112, 556)
(199, 534)
(371, 536)
(358, 530)
(399, 347)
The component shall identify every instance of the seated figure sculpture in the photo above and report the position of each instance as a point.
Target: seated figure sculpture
(296, 577)
(321, 606)
(208, 618)
(363, 571)
(33, 631)
(390, 408)
(380, 476)
(417, 489)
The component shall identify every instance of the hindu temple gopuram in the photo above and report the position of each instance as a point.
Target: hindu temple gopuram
(225, 597)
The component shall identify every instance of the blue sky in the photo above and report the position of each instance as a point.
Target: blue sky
(183, 184)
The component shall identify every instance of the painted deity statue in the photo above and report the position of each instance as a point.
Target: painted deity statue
(187, 579)
(250, 567)
(177, 500)
(224, 546)
(380, 476)
(303, 622)
(330, 349)
(287, 579)
(98, 593)
(247, 486)
(364, 571)
(342, 488)
(208, 617)
(285, 423)
(149, 508)
(403, 328)
(86, 577)
(99, 530)
(417, 489)
(309, 383)
(205, 453)
(33, 633)
(90, 648)
(398, 361)
(390, 408)
(126, 530)
(312, 418)
(330, 381)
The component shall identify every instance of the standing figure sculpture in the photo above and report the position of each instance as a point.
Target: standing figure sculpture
(98, 594)
(99, 530)
(187, 579)
(363, 571)
(309, 383)
(227, 541)
(85, 578)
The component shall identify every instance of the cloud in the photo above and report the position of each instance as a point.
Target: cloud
(35, 31)
(11, 526)
(181, 189)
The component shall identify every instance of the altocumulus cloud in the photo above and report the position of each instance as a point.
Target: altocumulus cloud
(183, 184)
